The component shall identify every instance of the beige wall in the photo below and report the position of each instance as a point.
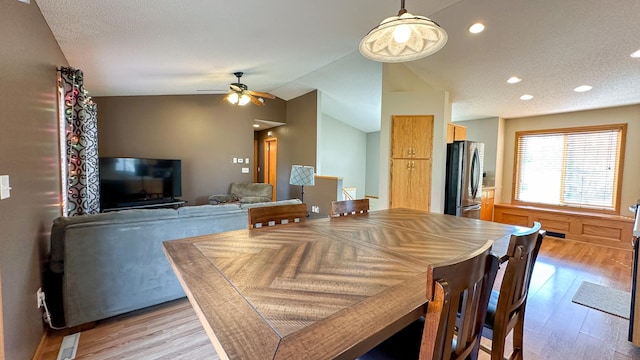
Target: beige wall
(29, 147)
(405, 94)
(625, 114)
(201, 130)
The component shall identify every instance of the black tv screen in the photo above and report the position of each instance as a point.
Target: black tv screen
(128, 182)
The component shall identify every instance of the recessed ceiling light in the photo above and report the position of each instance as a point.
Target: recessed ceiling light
(256, 125)
(476, 28)
(526, 97)
(583, 88)
(635, 54)
(514, 80)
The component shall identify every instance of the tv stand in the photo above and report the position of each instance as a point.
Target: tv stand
(173, 204)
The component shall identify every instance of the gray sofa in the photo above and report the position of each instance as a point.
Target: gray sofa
(112, 263)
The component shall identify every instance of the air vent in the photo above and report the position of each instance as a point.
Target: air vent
(69, 347)
(555, 234)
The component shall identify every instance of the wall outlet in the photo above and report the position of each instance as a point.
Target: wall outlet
(40, 296)
(315, 209)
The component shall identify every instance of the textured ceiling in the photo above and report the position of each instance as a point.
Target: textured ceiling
(136, 47)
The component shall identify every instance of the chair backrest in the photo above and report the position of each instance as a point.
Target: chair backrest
(349, 207)
(522, 252)
(458, 295)
(276, 215)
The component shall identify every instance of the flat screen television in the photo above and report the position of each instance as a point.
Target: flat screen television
(128, 182)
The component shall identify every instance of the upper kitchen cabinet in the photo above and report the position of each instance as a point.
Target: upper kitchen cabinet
(411, 137)
(456, 133)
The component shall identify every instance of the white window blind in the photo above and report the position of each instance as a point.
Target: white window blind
(571, 167)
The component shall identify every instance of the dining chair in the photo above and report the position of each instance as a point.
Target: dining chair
(276, 215)
(507, 305)
(444, 332)
(349, 207)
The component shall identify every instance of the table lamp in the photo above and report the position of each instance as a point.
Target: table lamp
(303, 176)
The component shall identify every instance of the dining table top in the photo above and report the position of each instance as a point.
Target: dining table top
(328, 288)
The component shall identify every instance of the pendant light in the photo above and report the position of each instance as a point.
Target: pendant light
(404, 37)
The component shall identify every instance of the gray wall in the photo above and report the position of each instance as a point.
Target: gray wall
(485, 131)
(342, 152)
(201, 130)
(373, 164)
(29, 147)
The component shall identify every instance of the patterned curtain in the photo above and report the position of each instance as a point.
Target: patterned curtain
(79, 146)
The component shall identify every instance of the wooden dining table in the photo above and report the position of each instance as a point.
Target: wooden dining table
(324, 288)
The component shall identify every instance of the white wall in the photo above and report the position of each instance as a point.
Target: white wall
(403, 93)
(342, 152)
(630, 192)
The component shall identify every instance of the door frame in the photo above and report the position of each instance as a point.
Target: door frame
(2, 354)
(270, 168)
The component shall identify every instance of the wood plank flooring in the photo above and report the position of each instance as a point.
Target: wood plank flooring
(555, 328)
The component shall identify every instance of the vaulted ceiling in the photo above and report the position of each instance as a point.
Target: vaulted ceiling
(136, 47)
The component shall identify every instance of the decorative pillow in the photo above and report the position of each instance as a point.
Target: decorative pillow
(253, 199)
(221, 199)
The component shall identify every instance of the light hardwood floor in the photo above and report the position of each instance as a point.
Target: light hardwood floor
(555, 328)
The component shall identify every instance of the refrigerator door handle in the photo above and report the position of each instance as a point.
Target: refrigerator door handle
(475, 176)
(471, 208)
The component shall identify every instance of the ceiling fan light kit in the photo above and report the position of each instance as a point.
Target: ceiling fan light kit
(239, 94)
(404, 37)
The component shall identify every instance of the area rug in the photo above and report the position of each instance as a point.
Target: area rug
(603, 298)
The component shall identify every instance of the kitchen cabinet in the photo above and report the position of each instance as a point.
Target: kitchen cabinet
(410, 184)
(486, 204)
(411, 137)
(410, 163)
(456, 133)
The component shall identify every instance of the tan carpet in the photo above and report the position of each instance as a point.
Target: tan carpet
(603, 298)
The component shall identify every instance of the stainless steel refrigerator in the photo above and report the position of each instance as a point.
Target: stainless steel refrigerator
(463, 184)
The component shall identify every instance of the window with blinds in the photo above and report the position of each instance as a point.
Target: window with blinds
(576, 167)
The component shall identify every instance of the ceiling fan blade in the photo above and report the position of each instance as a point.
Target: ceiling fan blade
(256, 100)
(213, 91)
(261, 94)
(235, 87)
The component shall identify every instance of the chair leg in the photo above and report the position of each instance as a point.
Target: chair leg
(498, 343)
(518, 337)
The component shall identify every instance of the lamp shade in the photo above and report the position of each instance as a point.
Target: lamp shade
(302, 175)
(404, 37)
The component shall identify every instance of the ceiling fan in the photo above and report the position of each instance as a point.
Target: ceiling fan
(239, 94)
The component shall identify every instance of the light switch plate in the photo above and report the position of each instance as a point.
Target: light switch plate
(5, 189)
(235, 160)
(246, 160)
(245, 170)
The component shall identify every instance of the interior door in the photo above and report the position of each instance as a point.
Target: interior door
(271, 164)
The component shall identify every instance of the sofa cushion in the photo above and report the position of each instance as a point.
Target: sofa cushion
(254, 199)
(252, 189)
(62, 223)
(208, 210)
(222, 199)
(274, 203)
